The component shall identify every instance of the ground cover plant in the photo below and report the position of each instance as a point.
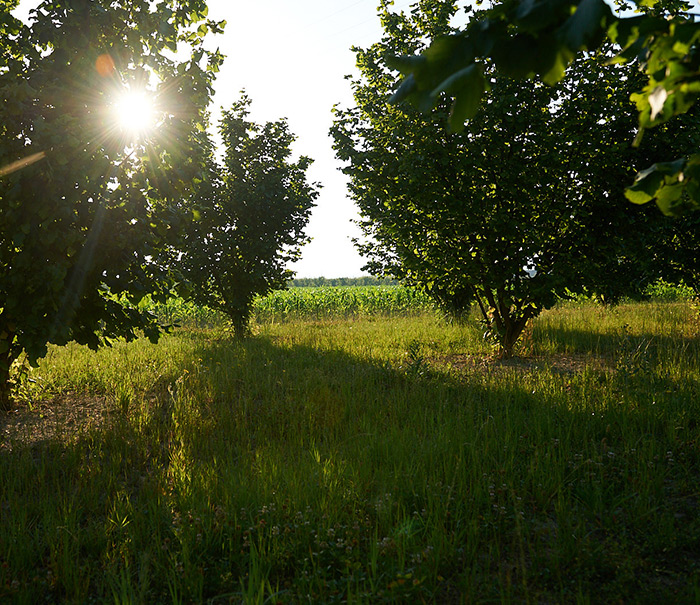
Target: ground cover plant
(386, 459)
(345, 301)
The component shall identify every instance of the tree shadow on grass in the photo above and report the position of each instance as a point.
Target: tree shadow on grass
(374, 430)
(612, 343)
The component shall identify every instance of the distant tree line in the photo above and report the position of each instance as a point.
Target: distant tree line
(320, 282)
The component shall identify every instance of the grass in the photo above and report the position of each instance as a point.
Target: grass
(378, 459)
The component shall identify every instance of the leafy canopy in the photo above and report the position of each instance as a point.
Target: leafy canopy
(251, 212)
(518, 208)
(541, 38)
(85, 206)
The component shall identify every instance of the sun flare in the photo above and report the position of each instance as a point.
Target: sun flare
(135, 113)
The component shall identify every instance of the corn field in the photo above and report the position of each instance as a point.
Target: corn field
(305, 303)
(329, 302)
(181, 313)
(346, 301)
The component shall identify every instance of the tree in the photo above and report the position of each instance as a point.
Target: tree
(86, 203)
(542, 37)
(520, 207)
(251, 216)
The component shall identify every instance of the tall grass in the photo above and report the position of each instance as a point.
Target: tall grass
(385, 460)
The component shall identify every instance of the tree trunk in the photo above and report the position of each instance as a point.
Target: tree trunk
(240, 320)
(6, 361)
(510, 337)
(5, 399)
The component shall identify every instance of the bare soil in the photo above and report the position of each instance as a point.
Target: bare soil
(565, 364)
(60, 418)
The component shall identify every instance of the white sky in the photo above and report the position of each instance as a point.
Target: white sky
(291, 57)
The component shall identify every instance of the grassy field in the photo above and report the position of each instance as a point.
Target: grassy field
(367, 459)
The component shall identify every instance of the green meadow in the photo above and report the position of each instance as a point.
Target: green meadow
(364, 457)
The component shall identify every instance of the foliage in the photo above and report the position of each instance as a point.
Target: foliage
(250, 217)
(664, 291)
(519, 208)
(676, 251)
(542, 37)
(84, 207)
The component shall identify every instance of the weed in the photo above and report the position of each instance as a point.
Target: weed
(633, 355)
(416, 365)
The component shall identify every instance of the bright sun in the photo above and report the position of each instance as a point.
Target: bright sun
(135, 113)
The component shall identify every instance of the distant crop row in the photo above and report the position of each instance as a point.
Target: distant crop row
(329, 302)
(323, 303)
(307, 303)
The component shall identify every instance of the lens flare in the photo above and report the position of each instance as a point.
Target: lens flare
(104, 65)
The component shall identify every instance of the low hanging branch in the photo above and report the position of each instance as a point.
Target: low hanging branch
(541, 39)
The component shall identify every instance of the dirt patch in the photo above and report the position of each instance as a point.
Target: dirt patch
(565, 364)
(59, 418)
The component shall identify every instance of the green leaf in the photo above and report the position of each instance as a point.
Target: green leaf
(408, 87)
(449, 51)
(518, 56)
(586, 28)
(533, 16)
(651, 183)
(406, 64)
(668, 197)
(468, 87)
(458, 81)
(561, 60)
(637, 196)
(422, 100)
(684, 36)
(625, 31)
